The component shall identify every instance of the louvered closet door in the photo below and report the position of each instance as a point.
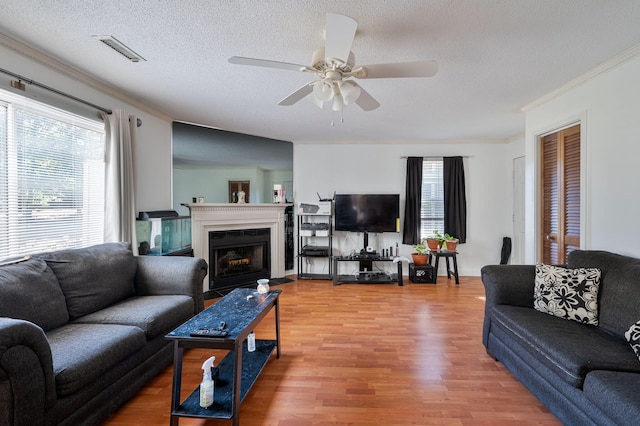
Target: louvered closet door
(560, 194)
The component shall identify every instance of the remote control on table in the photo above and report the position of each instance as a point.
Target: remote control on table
(209, 332)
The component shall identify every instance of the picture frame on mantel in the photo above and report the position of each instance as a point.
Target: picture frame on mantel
(236, 188)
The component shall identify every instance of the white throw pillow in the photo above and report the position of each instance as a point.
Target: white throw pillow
(633, 337)
(567, 293)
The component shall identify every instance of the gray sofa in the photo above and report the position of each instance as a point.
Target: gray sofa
(584, 374)
(81, 331)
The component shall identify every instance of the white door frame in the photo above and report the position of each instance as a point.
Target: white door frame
(533, 235)
(519, 196)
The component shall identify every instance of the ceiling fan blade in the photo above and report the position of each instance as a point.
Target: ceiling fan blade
(339, 33)
(297, 95)
(240, 60)
(365, 100)
(401, 70)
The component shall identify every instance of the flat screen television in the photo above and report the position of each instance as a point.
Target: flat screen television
(367, 212)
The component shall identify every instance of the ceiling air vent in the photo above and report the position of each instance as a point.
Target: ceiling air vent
(119, 47)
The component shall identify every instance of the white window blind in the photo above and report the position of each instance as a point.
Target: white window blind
(432, 198)
(51, 178)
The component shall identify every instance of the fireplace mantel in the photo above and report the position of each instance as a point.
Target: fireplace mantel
(207, 217)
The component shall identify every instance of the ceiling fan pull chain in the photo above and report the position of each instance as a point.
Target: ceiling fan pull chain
(333, 116)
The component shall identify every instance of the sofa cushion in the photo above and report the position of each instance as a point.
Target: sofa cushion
(567, 293)
(155, 315)
(569, 348)
(616, 393)
(29, 290)
(94, 277)
(619, 287)
(83, 352)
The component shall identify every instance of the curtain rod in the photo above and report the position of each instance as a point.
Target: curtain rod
(436, 158)
(51, 89)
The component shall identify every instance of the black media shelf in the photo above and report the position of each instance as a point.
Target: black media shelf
(315, 276)
(366, 274)
(315, 244)
(374, 278)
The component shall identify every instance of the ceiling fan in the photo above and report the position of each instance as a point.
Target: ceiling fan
(334, 65)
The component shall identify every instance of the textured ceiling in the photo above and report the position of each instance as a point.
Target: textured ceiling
(494, 57)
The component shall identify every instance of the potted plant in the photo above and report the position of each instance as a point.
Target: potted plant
(445, 242)
(421, 256)
(450, 242)
(435, 241)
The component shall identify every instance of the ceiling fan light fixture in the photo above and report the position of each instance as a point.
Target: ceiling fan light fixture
(323, 90)
(314, 100)
(335, 63)
(350, 92)
(337, 103)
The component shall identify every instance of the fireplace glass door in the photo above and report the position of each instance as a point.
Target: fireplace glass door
(238, 257)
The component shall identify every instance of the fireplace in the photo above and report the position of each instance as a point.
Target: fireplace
(211, 217)
(238, 257)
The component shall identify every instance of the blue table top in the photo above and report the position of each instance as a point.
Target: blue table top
(237, 309)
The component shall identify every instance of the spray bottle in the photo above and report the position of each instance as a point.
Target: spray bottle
(207, 386)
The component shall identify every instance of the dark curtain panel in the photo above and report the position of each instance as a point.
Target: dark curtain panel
(413, 188)
(455, 202)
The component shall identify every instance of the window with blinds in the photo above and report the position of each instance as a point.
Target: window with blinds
(51, 178)
(432, 198)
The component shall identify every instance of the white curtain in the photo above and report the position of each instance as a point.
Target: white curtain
(120, 206)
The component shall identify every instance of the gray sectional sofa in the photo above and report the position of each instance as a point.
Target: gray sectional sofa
(585, 374)
(81, 331)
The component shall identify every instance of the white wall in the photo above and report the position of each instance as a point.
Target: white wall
(152, 152)
(378, 168)
(609, 105)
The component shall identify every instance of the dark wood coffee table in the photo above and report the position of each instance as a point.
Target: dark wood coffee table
(242, 310)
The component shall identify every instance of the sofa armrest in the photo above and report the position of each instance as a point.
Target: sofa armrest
(506, 285)
(162, 275)
(509, 284)
(27, 383)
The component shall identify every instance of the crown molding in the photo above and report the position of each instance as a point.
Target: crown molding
(75, 74)
(600, 69)
(405, 141)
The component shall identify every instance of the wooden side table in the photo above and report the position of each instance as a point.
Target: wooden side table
(446, 254)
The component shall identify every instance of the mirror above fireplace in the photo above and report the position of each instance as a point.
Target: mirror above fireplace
(205, 160)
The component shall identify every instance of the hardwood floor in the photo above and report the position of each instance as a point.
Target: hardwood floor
(376, 354)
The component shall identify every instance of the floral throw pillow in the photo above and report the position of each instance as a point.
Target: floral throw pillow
(567, 293)
(633, 337)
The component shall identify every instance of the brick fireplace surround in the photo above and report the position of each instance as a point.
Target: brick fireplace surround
(207, 217)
